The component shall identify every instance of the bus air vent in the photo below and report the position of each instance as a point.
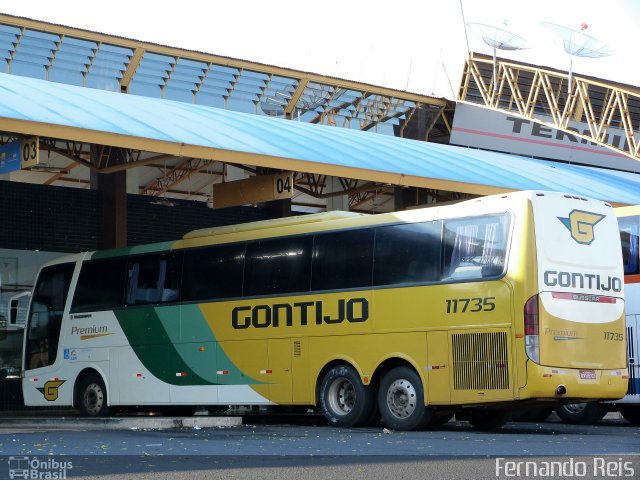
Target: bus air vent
(480, 361)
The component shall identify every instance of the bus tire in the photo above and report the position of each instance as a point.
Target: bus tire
(401, 400)
(487, 419)
(631, 413)
(344, 399)
(581, 413)
(92, 397)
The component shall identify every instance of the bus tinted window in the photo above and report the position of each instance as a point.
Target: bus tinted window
(343, 260)
(100, 285)
(278, 266)
(409, 253)
(475, 247)
(153, 279)
(212, 273)
(629, 238)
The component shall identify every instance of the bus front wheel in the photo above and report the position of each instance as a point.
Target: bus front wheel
(92, 397)
(344, 399)
(401, 400)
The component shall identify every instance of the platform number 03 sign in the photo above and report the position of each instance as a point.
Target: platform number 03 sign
(30, 155)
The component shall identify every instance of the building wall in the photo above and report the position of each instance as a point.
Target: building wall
(60, 219)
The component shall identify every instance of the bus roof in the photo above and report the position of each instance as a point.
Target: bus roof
(273, 223)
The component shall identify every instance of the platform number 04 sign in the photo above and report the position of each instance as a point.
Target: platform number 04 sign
(283, 185)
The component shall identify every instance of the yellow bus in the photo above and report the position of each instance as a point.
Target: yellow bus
(629, 406)
(476, 308)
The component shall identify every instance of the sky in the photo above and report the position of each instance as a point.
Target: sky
(414, 45)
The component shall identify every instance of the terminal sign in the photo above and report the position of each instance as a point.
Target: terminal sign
(261, 188)
(19, 154)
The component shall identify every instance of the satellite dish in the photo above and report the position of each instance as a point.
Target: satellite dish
(498, 39)
(578, 44)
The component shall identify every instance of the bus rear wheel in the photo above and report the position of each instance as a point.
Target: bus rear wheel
(631, 414)
(92, 397)
(344, 399)
(581, 413)
(401, 400)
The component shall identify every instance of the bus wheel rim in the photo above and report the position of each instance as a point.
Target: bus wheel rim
(93, 398)
(575, 407)
(342, 397)
(401, 398)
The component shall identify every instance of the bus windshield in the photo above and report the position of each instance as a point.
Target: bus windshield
(45, 314)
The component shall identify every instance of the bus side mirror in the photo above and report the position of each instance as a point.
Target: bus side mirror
(13, 312)
(13, 307)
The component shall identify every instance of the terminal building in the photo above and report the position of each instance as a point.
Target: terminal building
(112, 142)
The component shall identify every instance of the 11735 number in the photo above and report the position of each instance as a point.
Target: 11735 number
(475, 304)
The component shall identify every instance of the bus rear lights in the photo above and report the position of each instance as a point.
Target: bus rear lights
(201, 349)
(547, 375)
(264, 372)
(181, 374)
(531, 329)
(223, 372)
(581, 297)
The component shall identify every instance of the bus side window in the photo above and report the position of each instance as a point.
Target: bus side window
(278, 266)
(343, 260)
(408, 253)
(212, 273)
(475, 247)
(153, 279)
(100, 285)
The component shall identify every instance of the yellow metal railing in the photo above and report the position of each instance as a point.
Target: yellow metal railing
(611, 112)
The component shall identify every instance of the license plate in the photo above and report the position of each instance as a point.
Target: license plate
(588, 374)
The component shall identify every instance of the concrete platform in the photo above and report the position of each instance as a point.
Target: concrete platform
(13, 424)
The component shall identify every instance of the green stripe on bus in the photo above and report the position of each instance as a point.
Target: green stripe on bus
(198, 346)
(177, 346)
(155, 348)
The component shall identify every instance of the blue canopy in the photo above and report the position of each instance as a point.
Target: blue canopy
(38, 107)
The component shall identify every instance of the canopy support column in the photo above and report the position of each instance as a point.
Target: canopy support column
(113, 190)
